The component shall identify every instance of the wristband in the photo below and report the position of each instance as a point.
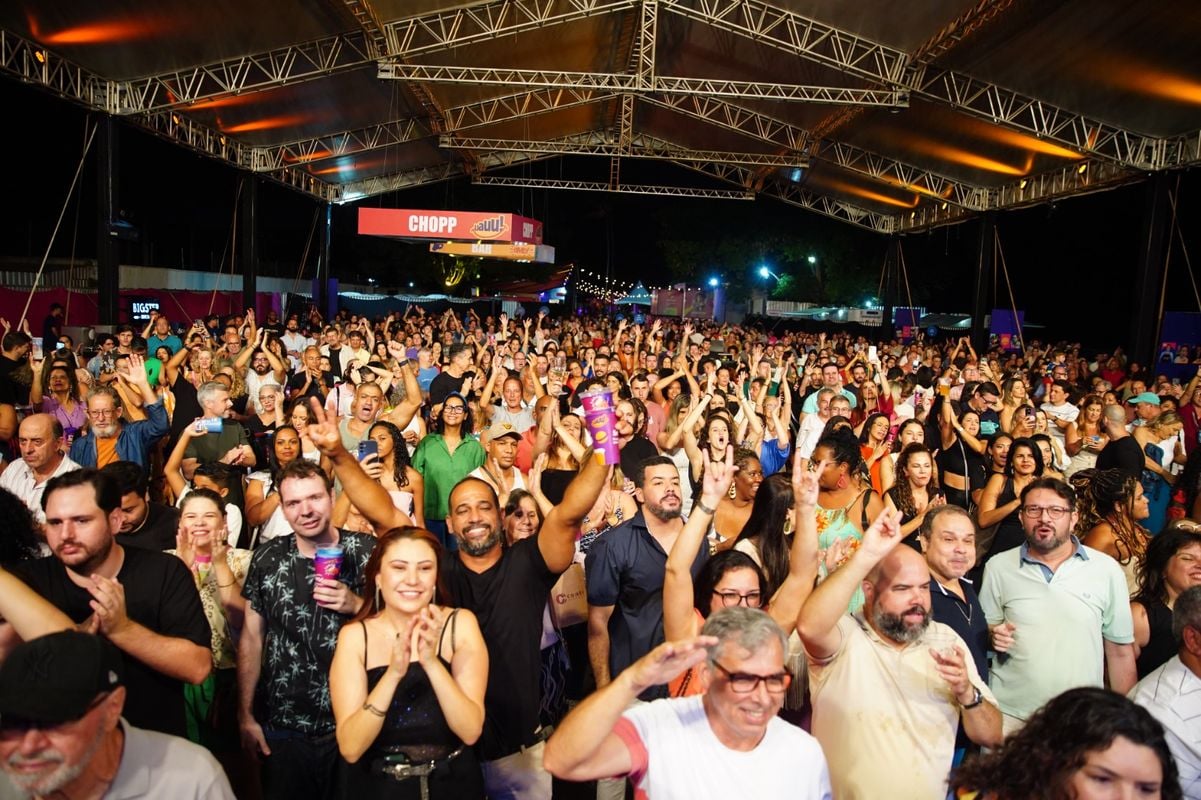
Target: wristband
(698, 503)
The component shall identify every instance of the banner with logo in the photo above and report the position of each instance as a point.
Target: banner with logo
(1005, 329)
(469, 226)
(538, 253)
(692, 302)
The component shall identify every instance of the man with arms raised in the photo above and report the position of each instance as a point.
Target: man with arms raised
(889, 686)
(1058, 612)
(727, 742)
(142, 601)
(506, 588)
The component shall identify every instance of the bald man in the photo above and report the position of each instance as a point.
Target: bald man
(889, 685)
(43, 456)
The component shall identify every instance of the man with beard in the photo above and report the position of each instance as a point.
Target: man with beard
(889, 686)
(144, 524)
(625, 570)
(265, 368)
(288, 636)
(108, 439)
(295, 342)
(143, 602)
(1058, 612)
(67, 738)
(505, 587)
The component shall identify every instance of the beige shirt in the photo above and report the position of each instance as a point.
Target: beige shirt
(885, 718)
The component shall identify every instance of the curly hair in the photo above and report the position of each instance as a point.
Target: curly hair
(1152, 580)
(901, 491)
(1038, 761)
(1107, 495)
(400, 452)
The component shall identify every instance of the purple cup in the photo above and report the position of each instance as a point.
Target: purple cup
(328, 562)
(600, 416)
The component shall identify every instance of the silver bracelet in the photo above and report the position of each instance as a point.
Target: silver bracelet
(704, 508)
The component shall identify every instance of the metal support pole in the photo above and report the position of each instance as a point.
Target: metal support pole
(321, 291)
(108, 271)
(249, 255)
(985, 268)
(1148, 279)
(892, 279)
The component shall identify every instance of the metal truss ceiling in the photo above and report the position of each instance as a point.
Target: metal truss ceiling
(634, 100)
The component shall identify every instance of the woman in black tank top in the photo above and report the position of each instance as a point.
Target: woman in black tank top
(1003, 496)
(960, 461)
(407, 681)
(1171, 564)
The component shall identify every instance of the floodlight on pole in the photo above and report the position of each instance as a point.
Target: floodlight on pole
(714, 282)
(764, 272)
(812, 260)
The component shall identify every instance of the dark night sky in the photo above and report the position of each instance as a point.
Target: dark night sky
(1071, 264)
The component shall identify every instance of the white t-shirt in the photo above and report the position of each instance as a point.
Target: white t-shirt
(809, 434)
(676, 755)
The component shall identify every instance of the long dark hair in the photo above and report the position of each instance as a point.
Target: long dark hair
(866, 431)
(715, 569)
(765, 526)
(901, 492)
(1032, 446)
(374, 563)
(1038, 761)
(1152, 583)
(400, 452)
(273, 465)
(438, 424)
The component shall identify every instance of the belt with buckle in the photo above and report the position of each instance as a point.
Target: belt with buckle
(398, 767)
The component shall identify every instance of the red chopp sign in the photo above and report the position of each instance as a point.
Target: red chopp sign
(468, 226)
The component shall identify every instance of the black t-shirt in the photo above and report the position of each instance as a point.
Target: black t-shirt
(261, 437)
(636, 451)
(157, 532)
(317, 388)
(159, 594)
(335, 362)
(444, 384)
(1123, 454)
(508, 599)
(187, 408)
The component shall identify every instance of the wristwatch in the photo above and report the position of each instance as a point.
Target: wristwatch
(977, 699)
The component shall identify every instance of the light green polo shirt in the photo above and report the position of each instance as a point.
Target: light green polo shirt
(1061, 619)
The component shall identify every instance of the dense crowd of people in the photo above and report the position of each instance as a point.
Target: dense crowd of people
(389, 558)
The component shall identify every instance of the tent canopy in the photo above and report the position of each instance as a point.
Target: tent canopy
(892, 116)
(638, 296)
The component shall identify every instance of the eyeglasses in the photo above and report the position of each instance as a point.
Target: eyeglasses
(750, 599)
(745, 683)
(1036, 512)
(100, 413)
(454, 409)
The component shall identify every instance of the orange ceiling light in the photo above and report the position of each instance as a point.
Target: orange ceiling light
(1157, 83)
(868, 194)
(269, 123)
(108, 32)
(1028, 143)
(306, 157)
(357, 164)
(957, 155)
(222, 102)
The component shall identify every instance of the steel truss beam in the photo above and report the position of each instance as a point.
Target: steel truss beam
(601, 186)
(793, 195)
(627, 83)
(1068, 181)
(733, 118)
(396, 132)
(897, 173)
(371, 25)
(799, 35)
(421, 176)
(606, 143)
(405, 38)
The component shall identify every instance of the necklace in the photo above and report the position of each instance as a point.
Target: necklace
(968, 616)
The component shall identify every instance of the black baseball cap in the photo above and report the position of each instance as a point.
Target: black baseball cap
(56, 678)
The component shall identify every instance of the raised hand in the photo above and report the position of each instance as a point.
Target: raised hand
(137, 371)
(323, 429)
(806, 483)
(669, 660)
(883, 535)
(718, 476)
(184, 548)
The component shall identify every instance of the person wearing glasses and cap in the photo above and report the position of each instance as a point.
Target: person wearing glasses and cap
(1058, 612)
(62, 734)
(727, 742)
(890, 685)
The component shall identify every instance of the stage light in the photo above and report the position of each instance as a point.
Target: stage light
(1022, 183)
(40, 55)
(764, 272)
(713, 282)
(1080, 170)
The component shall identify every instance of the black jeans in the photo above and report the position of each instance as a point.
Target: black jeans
(301, 766)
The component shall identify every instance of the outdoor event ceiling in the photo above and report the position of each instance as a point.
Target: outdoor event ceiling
(890, 115)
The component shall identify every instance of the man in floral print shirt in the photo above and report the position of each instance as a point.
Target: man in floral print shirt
(291, 627)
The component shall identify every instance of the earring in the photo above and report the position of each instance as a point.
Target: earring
(733, 491)
(379, 598)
